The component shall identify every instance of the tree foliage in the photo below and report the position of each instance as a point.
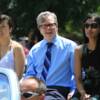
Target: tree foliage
(70, 13)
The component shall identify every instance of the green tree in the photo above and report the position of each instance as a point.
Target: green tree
(70, 13)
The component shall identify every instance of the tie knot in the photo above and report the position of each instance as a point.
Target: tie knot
(49, 45)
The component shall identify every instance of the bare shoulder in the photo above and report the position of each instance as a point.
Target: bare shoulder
(79, 47)
(78, 50)
(16, 46)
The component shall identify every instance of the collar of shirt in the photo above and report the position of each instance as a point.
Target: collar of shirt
(54, 41)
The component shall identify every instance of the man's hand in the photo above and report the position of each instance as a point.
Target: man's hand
(85, 97)
(70, 94)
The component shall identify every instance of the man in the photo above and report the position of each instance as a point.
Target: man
(52, 59)
(32, 89)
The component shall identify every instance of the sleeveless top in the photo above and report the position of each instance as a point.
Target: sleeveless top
(90, 58)
(90, 70)
(7, 61)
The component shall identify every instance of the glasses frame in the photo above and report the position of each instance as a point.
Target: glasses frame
(48, 25)
(33, 94)
(91, 25)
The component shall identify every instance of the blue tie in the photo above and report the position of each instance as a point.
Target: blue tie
(47, 61)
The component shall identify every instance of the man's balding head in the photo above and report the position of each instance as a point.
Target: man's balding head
(33, 86)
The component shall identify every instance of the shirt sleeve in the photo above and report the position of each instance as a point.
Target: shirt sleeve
(72, 67)
(31, 69)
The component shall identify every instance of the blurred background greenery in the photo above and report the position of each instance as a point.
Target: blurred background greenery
(70, 15)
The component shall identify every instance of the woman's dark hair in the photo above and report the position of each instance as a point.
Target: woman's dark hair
(4, 17)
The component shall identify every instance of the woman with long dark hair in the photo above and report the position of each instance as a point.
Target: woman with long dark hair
(87, 60)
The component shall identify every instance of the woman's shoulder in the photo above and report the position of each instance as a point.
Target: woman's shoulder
(78, 49)
(16, 45)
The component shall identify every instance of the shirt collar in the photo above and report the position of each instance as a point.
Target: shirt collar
(54, 41)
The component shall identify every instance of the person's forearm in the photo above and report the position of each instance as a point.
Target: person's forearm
(80, 88)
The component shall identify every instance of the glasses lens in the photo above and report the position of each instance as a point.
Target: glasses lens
(48, 25)
(27, 95)
(86, 25)
(92, 25)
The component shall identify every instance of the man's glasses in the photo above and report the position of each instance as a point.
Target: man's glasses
(29, 94)
(92, 25)
(48, 25)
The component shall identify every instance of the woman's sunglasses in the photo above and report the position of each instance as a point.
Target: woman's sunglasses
(29, 95)
(92, 25)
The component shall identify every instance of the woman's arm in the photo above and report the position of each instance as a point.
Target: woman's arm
(19, 58)
(78, 73)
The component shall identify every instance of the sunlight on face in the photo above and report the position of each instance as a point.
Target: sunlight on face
(5, 30)
(49, 28)
(91, 28)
